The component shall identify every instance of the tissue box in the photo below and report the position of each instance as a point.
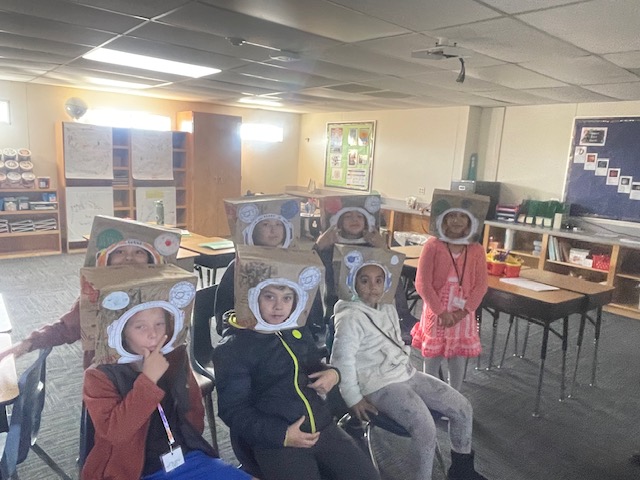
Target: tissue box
(578, 256)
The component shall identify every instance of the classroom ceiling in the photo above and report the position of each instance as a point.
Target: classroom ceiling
(347, 54)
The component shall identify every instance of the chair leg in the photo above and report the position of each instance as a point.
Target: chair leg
(49, 461)
(367, 437)
(211, 419)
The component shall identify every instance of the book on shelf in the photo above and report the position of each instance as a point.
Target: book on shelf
(565, 248)
(552, 251)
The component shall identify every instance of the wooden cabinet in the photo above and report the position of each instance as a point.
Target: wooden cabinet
(609, 260)
(40, 224)
(124, 187)
(215, 151)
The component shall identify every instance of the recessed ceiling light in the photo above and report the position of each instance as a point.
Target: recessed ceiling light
(267, 102)
(144, 62)
(118, 83)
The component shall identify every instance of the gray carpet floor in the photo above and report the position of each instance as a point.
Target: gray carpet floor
(588, 437)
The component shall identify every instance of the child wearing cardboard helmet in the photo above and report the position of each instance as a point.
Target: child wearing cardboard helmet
(143, 399)
(270, 377)
(377, 374)
(452, 280)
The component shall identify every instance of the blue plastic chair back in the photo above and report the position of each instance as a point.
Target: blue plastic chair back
(25, 416)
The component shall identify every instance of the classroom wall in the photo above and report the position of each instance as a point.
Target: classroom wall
(37, 108)
(421, 148)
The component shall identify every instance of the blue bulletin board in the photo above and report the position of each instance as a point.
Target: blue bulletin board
(603, 178)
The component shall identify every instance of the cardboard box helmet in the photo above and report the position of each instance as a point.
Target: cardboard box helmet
(350, 259)
(446, 206)
(247, 214)
(108, 234)
(112, 297)
(262, 272)
(333, 209)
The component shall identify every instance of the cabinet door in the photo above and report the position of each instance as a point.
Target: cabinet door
(216, 170)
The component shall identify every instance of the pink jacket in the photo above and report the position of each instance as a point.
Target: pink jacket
(433, 270)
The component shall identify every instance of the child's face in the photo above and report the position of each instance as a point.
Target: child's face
(370, 284)
(352, 224)
(145, 330)
(128, 255)
(276, 303)
(268, 233)
(456, 225)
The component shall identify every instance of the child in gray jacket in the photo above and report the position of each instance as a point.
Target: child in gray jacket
(376, 374)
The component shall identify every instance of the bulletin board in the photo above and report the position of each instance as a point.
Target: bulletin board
(603, 177)
(349, 155)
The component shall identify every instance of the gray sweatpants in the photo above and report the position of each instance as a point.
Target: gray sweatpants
(408, 403)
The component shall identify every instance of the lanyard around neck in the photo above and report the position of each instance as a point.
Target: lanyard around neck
(455, 264)
(167, 429)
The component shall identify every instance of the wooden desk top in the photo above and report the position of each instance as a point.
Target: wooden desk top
(410, 251)
(550, 296)
(192, 242)
(566, 282)
(184, 253)
(5, 321)
(8, 377)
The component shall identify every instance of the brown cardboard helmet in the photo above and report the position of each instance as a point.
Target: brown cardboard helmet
(445, 202)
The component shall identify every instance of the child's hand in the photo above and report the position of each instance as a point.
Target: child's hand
(16, 350)
(328, 238)
(299, 439)
(374, 239)
(154, 364)
(325, 380)
(362, 410)
(447, 319)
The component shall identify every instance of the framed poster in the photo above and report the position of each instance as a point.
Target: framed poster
(349, 155)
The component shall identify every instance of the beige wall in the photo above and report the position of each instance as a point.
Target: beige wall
(37, 108)
(421, 148)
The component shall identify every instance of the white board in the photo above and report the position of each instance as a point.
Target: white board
(84, 203)
(146, 207)
(88, 151)
(151, 155)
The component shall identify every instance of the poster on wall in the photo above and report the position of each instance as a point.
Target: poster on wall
(349, 155)
(88, 151)
(151, 155)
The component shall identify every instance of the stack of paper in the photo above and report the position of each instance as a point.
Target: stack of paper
(22, 226)
(4, 226)
(46, 224)
(528, 284)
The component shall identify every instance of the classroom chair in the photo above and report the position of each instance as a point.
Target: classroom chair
(200, 351)
(24, 424)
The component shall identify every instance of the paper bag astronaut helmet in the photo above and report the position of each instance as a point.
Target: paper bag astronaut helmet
(122, 294)
(348, 260)
(447, 205)
(264, 220)
(333, 209)
(111, 236)
(264, 277)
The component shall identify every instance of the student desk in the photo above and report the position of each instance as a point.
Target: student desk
(208, 257)
(5, 322)
(540, 308)
(596, 297)
(8, 382)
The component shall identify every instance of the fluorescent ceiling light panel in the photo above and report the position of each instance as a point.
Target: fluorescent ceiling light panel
(118, 83)
(134, 60)
(260, 101)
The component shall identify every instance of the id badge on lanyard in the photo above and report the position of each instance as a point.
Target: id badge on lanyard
(174, 457)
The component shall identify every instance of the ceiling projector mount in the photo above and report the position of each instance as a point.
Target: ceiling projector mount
(444, 50)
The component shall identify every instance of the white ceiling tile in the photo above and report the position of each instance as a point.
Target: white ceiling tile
(325, 69)
(600, 26)
(27, 55)
(625, 60)
(17, 77)
(73, 14)
(30, 44)
(569, 95)
(224, 23)
(509, 40)
(582, 70)
(283, 75)
(447, 79)
(516, 97)
(51, 30)
(422, 15)
(517, 6)
(513, 76)
(621, 91)
(142, 8)
(319, 17)
(332, 94)
(230, 76)
(237, 88)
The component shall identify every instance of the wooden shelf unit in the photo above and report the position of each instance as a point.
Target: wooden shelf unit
(624, 265)
(27, 244)
(124, 185)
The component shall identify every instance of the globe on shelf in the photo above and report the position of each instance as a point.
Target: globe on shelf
(75, 107)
